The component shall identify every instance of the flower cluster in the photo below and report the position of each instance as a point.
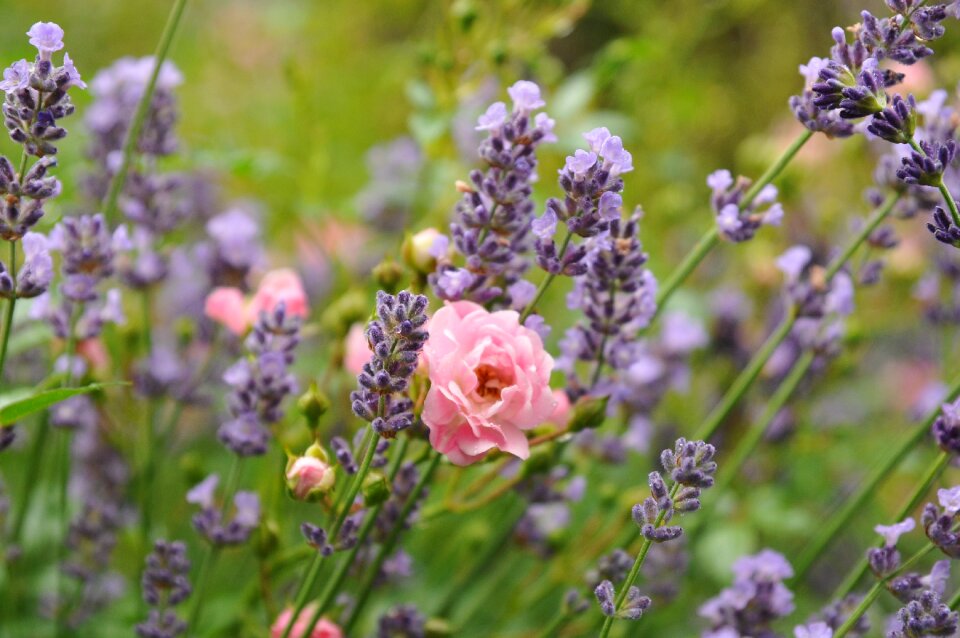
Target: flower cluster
(494, 217)
(939, 524)
(690, 467)
(165, 585)
(209, 521)
(739, 218)
(261, 382)
(394, 169)
(946, 428)
(396, 338)
(617, 295)
(926, 616)
(756, 599)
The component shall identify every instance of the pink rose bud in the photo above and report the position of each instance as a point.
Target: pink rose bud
(490, 381)
(228, 307)
(310, 476)
(421, 251)
(276, 286)
(357, 349)
(323, 629)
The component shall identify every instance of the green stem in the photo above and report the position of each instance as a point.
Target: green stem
(30, 479)
(553, 629)
(955, 601)
(635, 570)
(143, 108)
(60, 616)
(875, 592)
(707, 243)
(149, 436)
(842, 517)
(880, 214)
(547, 280)
(748, 444)
(933, 473)
(745, 379)
(386, 549)
(306, 585)
(203, 575)
(11, 304)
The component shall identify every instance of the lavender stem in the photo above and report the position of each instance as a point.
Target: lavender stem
(11, 304)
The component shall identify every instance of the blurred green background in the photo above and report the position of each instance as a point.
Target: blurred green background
(283, 99)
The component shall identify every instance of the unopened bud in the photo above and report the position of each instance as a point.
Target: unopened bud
(421, 250)
(389, 275)
(310, 476)
(375, 489)
(588, 413)
(313, 404)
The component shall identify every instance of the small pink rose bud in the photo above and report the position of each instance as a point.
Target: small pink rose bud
(422, 250)
(310, 476)
(277, 286)
(357, 350)
(228, 307)
(323, 629)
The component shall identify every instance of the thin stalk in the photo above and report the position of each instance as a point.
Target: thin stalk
(745, 379)
(748, 444)
(547, 280)
(11, 305)
(336, 580)
(386, 549)
(30, 479)
(879, 214)
(143, 107)
(149, 435)
(635, 570)
(875, 592)
(955, 601)
(200, 586)
(933, 473)
(777, 167)
(552, 630)
(839, 520)
(309, 580)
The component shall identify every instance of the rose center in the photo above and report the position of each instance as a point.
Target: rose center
(489, 383)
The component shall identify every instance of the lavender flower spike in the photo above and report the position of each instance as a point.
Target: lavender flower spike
(165, 585)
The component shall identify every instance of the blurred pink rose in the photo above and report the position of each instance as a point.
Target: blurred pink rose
(561, 413)
(323, 629)
(280, 285)
(357, 349)
(227, 306)
(490, 381)
(309, 477)
(94, 352)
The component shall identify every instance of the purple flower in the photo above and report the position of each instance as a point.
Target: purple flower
(615, 158)
(247, 505)
(545, 226)
(204, 492)
(609, 205)
(596, 138)
(545, 124)
(793, 261)
(525, 96)
(493, 118)
(37, 271)
(47, 37)
(73, 76)
(16, 77)
(580, 162)
(949, 499)
(813, 630)
(893, 532)
(453, 283)
(522, 293)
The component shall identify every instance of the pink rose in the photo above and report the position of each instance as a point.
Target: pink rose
(227, 306)
(489, 382)
(310, 476)
(323, 629)
(561, 413)
(280, 285)
(357, 349)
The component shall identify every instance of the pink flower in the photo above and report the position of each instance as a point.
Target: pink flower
(561, 413)
(227, 306)
(323, 629)
(489, 382)
(280, 285)
(310, 476)
(357, 349)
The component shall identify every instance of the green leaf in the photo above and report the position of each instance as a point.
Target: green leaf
(23, 402)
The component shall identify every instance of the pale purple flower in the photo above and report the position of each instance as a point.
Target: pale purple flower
(811, 70)
(16, 77)
(728, 219)
(891, 533)
(37, 270)
(720, 180)
(938, 577)
(525, 96)
(580, 162)
(609, 205)
(454, 282)
(840, 298)
(204, 492)
(248, 509)
(47, 37)
(616, 159)
(72, 73)
(521, 293)
(682, 334)
(112, 310)
(767, 565)
(813, 630)
(545, 124)
(439, 247)
(545, 226)
(596, 138)
(537, 323)
(493, 118)
(792, 262)
(950, 499)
